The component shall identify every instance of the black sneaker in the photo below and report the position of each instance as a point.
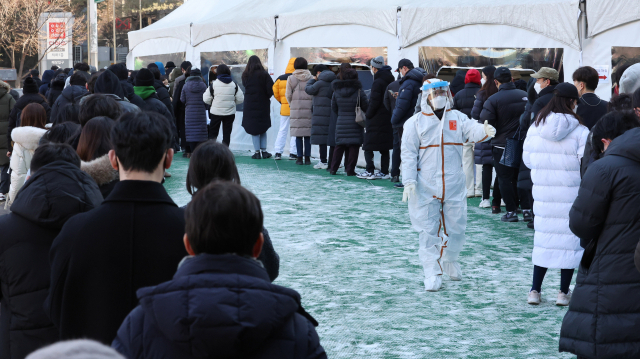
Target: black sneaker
(299, 161)
(278, 156)
(307, 160)
(519, 211)
(266, 155)
(495, 209)
(256, 156)
(510, 217)
(530, 225)
(293, 157)
(333, 173)
(527, 215)
(395, 179)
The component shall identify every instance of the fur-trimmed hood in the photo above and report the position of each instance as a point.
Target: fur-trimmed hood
(100, 170)
(28, 137)
(5, 85)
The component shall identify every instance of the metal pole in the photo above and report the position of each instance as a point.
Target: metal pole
(88, 32)
(140, 14)
(114, 30)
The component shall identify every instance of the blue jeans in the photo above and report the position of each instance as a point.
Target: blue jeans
(307, 146)
(260, 142)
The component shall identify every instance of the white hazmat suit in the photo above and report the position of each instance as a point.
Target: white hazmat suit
(434, 180)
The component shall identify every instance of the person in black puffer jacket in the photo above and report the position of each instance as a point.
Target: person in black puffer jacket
(162, 91)
(525, 185)
(349, 134)
(241, 314)
(483, 151)
(379, 132)
(458, 82)
(45, 84)
(320, 88)
(121, 72)
(57, 85)
(463, 102)
(195, 119)
(29, 95)
(256, 117)
(108, 84)
(28, 231)
(603, 316)
(503, 111)
(70, 96)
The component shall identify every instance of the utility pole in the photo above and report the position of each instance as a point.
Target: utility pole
(140, 15)
(114, 30)
(92, 33)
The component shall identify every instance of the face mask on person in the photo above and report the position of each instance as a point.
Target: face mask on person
(439, 102)
(483, 81)
(372, 73)
(537, 87)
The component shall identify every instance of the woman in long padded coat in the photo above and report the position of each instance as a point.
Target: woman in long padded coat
(301, 105)
(322, 92)
(256, 117)
(553, 149)
(603, 320)
(379, 133)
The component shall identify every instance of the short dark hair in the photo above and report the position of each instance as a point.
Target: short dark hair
(152, 65)
(300, 63)
(155, 71)
(319, 68)
(70, 113)
(65, 132)
(211, 161)
(223, 69)
(95, 139)
(620, 102)
(54, 67)
(588, 75)
(612, 125)
(140, 140)
(350, 74)
(52, 152)
(185, 65)
(82, 66)
(77, 79)
(98, 105)
(223, 218)
(636, 98)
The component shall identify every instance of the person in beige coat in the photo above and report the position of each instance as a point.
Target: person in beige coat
(301, 108)
(26, 137)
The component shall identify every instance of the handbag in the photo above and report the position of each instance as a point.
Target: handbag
(360, 117)
(512, 155)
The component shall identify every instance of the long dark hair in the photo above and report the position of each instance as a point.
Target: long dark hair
(343, 67)
(253, 65)
(211, 161)
(489, 88)
(557, 105)
(95, 138)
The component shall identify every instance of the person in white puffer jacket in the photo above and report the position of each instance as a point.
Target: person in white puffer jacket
(553, 150)
(223, 95)
(26, 137)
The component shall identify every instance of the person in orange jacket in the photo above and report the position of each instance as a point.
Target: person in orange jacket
(279, 89)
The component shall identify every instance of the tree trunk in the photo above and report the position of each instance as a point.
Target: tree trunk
(22, 57)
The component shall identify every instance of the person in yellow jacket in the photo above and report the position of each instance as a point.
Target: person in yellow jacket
(279, 90)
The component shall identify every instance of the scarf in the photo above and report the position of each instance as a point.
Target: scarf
(144, 91)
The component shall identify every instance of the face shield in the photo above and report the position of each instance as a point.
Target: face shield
(437, 94)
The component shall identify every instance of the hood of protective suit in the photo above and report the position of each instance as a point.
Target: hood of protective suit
(557, 126)
(424, 103)
(290, 68)
(302, 75)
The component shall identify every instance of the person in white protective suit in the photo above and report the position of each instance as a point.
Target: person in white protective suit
(434, 181)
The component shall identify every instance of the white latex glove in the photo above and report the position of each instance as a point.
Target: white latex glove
(489, 130)
(409, 191)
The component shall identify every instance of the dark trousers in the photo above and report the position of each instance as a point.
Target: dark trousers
(191, 146)
(330, 157)
(5, 178)
(508, 180)
(487, 176)
(323, 153)
(181, 132)
(307, 146)
(538, 277)
(384, 161)
(350, 158)
(397, 143)
(227, 126)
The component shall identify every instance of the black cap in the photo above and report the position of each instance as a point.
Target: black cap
(170, 64)
(502, 74)
(30, 86)
(404, 62)
(567, 90)
(144, 78)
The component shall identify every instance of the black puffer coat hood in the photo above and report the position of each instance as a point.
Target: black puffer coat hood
(55, 193)
(603, 320)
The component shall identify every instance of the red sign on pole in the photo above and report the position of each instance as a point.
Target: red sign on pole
(57, 30)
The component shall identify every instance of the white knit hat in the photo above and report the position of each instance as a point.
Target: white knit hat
(76, 349)
(630, 80)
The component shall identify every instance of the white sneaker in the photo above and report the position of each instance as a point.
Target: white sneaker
(321, 166)
(364, 175)
(485, 203)
(379, 175)
(502, 203)
(534, 298)
(478, 194)
(3, 197)
(433, 284)
(563, 299)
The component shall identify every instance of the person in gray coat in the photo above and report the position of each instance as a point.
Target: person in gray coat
(320, 88)
(349, 134)
(301, 104)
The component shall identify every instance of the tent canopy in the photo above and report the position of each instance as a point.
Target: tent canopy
(603, 15)
(556, 19)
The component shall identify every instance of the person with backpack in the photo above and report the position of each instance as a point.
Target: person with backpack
(223, 95)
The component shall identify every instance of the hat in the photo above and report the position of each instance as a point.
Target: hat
(489, 70)
(566, 89)
(404, 62)
(516, 75)
(630, 80)
(502, 74)
(377, 62)
(473, 76)
(76, 349)
(546, 73)
(170, 64)
(144, 78)
(35, 73)
(30, 86)
(196, 72)
(120, 70)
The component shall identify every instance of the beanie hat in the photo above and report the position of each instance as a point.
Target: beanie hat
(120, 70)
(377, 62)
(170, 64)
(30, 86)
(76, 349)
(144, 78)
(473, 75)
(630, 80)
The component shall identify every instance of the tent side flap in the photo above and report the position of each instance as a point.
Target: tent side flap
(603, 15)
